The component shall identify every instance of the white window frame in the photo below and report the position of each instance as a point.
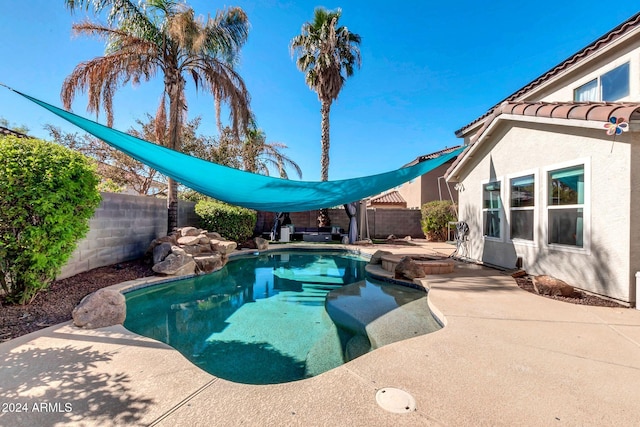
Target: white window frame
(501, 210)
(598, 80)
(535, 208)
(586, 206)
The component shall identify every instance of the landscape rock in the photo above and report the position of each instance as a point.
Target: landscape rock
(176, 265)
(190, 250)
(223, 246)
(170, 239)
(198, 249)
(189, 231)
(407, 268)
(261, 244)
(548, 285)
(249, 244)
(161, 251)
(177, 250)
(209, 263)
(376, 258)
(189, 240)
(105, 307)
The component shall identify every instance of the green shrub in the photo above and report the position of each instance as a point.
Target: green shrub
(232, 222)
(47, 196)
(435, 218)
(193, 196)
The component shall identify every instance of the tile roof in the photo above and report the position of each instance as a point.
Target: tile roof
(587, 111)
(8, 132)
(390, 198)
(619, 31)
(432, 155)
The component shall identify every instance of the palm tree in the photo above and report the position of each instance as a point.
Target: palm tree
(258, 154)
(327, 55)
(146, 38)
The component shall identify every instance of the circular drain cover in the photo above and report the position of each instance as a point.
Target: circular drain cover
(395, 400)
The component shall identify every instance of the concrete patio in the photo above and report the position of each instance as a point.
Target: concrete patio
(505, 357)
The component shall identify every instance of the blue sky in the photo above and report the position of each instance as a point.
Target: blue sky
(428, 68)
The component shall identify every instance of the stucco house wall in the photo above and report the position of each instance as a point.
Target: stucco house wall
(607, 263)
(425, 188)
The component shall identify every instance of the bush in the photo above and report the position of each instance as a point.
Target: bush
(47, 196)
(232, 222)
(435, 218)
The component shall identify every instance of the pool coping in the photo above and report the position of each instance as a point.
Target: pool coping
(506, 357)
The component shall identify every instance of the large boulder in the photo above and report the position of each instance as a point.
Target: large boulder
(213, 235)
(408, 269)
(161, 251)
(225, 247)
(177, 250)
(209, 263)
(189, 231)
(176, 265)
(261, 244)
(197, 249)
(548, 285)
(189, 240)
(170, 239)
(376, 258)
(104, 307)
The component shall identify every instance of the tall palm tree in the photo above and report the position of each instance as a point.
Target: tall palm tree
(146, 38)
(327, 54)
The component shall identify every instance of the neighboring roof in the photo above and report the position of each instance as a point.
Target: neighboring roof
(8, 132)
(596, 112)
(432, 155)
(390, 198)
(619, 31)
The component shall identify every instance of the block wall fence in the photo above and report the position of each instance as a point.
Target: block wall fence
(121, 229)
(124, 225)
(382, 221)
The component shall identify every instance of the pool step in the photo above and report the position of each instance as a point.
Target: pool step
(378, 314)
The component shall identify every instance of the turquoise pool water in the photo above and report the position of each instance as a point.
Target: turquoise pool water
(279, 316)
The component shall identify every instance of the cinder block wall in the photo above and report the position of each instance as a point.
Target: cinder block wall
(399, 222)
(382, 222)
(121, 230)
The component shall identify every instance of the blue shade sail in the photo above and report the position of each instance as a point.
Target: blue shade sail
(242, 188)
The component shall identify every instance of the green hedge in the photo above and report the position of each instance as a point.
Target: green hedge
(435, 217)
(47, 196)
(232, 222)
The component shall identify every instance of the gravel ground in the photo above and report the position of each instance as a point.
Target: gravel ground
(578, 297)
(55, 305)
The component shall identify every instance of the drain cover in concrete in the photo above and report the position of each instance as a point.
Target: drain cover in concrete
(395, 400)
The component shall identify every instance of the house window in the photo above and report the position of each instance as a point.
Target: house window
(615, 83)
(566, 206)
(587, 92)
(522, 203)
(491, 207)
(611, 86)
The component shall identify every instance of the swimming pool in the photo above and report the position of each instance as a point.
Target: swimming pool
(278, 316)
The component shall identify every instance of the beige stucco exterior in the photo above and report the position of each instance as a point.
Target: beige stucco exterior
(561, 88)
(428, 187)
(504, 146)
(517, 148)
